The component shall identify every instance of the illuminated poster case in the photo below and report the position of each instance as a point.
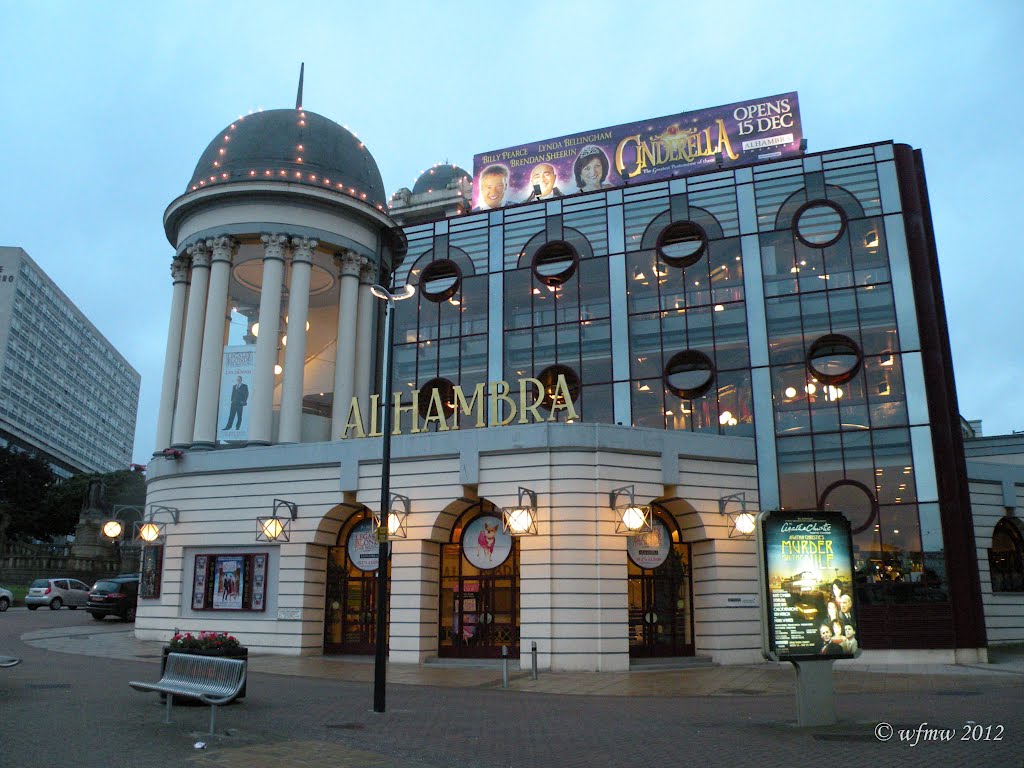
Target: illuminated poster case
(806, 561)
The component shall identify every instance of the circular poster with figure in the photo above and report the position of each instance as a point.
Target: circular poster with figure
(649, 550)
(484, 544)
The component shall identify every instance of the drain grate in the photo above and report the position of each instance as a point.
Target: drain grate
(48, 686)
(346, 726)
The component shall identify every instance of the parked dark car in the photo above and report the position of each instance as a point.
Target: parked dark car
(114, 596)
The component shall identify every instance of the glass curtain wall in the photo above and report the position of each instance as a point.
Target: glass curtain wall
(842, 428)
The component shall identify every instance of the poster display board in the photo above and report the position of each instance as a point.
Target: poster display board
(230, 582)
(806, 561)
(660, 148)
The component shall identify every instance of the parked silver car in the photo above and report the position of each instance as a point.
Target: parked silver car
(6, 599)
(55, 593)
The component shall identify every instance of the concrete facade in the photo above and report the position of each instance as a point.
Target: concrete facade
(64, 389)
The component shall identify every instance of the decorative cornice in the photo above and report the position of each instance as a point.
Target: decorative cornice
(222, 247)
(349, 263)
(200, 253)
(302, 249)
(274, 246)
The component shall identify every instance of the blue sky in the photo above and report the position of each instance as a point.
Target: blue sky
(106, 107)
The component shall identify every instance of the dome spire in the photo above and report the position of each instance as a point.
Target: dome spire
(298, 96)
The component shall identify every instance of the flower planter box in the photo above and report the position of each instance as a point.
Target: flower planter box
(238, 653)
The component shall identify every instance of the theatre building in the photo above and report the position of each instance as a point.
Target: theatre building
(595, 383)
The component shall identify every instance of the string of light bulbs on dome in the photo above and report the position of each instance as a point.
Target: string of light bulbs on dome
(288, 175)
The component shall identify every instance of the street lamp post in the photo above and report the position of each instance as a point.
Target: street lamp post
(379, 666)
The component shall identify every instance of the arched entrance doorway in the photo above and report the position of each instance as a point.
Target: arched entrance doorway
(660, 591)
(479, 595)
(351, 604)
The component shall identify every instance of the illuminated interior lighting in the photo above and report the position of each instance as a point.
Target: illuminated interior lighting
(790, 392)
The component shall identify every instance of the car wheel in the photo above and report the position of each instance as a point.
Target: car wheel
(97, 616)
(56, 604)
(129, 615)
(4, 603)
(31, 607)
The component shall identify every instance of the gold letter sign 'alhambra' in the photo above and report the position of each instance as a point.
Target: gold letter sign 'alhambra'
(504, 408)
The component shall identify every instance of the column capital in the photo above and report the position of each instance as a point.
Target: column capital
(349, 263)
(368, 273)
(200, 254)
(179, 269)
(274, 246)
(302, 248)
(222, 247)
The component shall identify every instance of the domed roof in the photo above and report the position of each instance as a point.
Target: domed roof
(293, 145)
(438, 177)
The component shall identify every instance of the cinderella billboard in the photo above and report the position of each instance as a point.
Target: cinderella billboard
(665, 147)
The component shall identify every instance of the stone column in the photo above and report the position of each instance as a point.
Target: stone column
(366, 335)
(188, 376)
(222, 250)
(262, 395)
(292, 389)
(179, 274)
(349, 264)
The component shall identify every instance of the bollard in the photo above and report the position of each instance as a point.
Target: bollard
(504, 666)
(533, 653)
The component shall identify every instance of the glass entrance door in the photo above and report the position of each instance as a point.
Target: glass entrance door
(660, 595)
(350, 616)
(479, 596)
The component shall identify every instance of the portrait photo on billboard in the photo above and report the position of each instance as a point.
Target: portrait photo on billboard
(807, 570)
(766, 128)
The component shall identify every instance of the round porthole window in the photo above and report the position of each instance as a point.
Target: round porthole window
(549, 380)
(682, 243)
(689, 374)
(555, 262)
(447, 391)
(854, 500)
(834, 359)
(440, 280)
(819, 223)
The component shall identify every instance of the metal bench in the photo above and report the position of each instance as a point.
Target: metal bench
(212, 680)
(9, 661)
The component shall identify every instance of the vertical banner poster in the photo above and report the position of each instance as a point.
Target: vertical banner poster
(807, 573)
(235, 384)
(659, 148)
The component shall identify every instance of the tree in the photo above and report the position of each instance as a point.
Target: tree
(25, 482)
(64, 501)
